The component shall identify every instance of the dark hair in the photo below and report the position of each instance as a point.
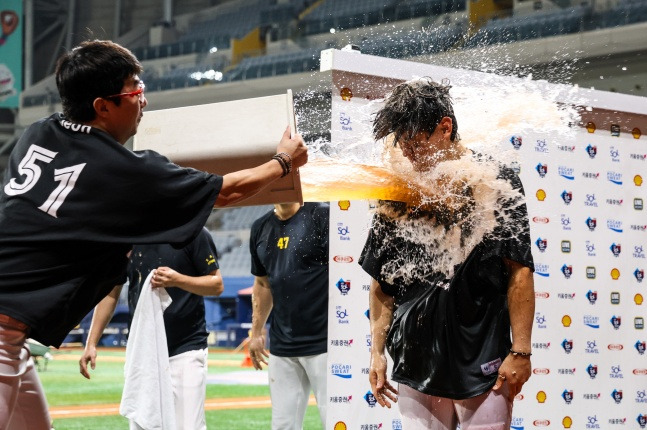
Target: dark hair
(413, 107)
(96, 68)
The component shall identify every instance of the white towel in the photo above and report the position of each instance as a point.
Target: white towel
(147, 399)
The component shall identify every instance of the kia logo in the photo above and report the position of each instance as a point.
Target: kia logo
(541, 219)
(541, 423)
(542, 295)
(343, 259)
(615, 347)
(640, 371)
(541, 371)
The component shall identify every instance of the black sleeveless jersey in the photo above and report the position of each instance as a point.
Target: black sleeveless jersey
(184, 319)
(293, 254)
(72, 203)
(450, 334)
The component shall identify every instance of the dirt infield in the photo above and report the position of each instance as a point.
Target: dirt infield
(210, 404)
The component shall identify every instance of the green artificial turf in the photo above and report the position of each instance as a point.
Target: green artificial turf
(64, 385)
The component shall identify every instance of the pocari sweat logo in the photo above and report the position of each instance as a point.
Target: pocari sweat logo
(615, 177)
(615, 248)
(591, 321)
(341, 370)
(396, 424)
(614, 225)
(517, 423)
(592, 150)
(566, 172)
(542, 270)
(542, 169)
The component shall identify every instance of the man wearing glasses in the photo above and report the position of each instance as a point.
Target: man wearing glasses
(74, 201)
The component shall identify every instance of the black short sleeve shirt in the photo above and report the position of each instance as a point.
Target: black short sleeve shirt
(293, 254)
(450, 333)
(72, 203)
(184, 319)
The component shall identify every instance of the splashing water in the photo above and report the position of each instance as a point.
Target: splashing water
(488, 113)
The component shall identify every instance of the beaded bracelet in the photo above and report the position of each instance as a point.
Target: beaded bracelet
(282, 163)
(522, 354)
(285, 161)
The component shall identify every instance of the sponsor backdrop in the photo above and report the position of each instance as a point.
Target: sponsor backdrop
(585, 196)
(10, 52)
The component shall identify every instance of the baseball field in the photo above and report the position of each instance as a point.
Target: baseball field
(237, 397)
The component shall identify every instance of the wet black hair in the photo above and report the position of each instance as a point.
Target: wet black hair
(413, 107)
(96, 68)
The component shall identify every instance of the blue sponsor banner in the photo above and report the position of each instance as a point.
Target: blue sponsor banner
(11, 53)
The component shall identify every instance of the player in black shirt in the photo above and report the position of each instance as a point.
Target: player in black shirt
(289, 248)
(74, 201)
(188, 274)
(451, 277)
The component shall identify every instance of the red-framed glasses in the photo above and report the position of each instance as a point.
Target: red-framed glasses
(138, 92)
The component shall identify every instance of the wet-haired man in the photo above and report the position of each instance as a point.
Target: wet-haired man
(451, 275)
(73, 202)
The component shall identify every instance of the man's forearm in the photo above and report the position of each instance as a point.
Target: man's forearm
(245, 183)
(207, 285)
(262, 304)
(102, 315)
(381, 313)
(521, 304)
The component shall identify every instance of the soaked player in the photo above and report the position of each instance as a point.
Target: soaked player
(449, 283)
(74, 201)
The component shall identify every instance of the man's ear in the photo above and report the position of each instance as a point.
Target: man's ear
(447, 126)
(101, 107)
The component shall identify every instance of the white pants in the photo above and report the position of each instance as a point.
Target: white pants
(290, 381)
(189, 378)
(22, 401)
(490, 411)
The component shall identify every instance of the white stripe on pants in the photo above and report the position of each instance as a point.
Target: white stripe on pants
(22, 401)
(189, 379)
(290, 381)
